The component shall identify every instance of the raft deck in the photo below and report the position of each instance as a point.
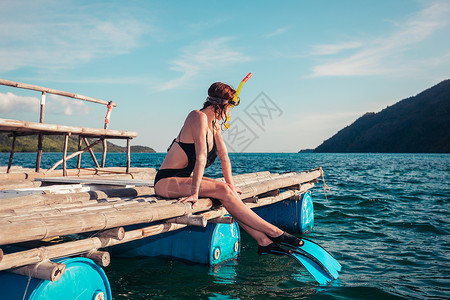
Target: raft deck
(66, 208)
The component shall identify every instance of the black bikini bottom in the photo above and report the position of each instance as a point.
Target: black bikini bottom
(165, 173)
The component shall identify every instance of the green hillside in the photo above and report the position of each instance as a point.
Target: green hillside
(419, 124)
(55, 143)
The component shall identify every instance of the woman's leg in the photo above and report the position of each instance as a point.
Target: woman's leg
(175, 187)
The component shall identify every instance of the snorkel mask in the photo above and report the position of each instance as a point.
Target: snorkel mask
(232, 103)
(235, 101)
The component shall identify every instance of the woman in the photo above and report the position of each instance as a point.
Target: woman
(196, 147)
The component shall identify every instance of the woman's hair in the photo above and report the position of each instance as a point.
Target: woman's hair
(219, 91)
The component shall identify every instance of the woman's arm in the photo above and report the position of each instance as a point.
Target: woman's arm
(222, 152)
(199, 127)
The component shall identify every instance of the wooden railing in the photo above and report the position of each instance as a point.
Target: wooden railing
(102, 135)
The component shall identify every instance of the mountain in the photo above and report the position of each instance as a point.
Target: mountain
(55, 143)
(419, 124)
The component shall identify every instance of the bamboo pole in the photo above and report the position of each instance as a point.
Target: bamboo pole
(26, 230)
(117, 233)
(128, 156)
(80, 144)
(193, 220)
(75, 209)
(72, 156)
(11, 154)
(248, 176)
(137, 173)
(53, 91)
(101, 258)
(18, 184)
(91, 152)
(40, 135)
(260, 188)
(105, 149)
(55, 210)
(66, 142)
(39, 153)
(36, 200)
(42, 110)
(45, 270)
(98, 208)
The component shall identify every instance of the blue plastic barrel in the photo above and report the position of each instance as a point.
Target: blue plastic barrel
(82, 280)
(294, 216)
(211, 245)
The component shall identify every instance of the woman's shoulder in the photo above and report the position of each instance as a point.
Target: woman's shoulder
(197, 116)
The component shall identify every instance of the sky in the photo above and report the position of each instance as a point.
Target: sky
(317, 65)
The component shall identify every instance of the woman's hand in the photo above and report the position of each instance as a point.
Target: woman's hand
(192, 198)
(236, 189)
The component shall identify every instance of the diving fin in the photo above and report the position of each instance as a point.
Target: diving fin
(316, 271)
(321, 256)
(312, 250)
(310, 246)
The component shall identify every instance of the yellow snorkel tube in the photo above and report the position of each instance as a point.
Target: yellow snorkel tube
(235, 101)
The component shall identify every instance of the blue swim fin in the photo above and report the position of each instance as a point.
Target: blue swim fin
(312, 250)
(312, 247)
(321, 256)
(316, 271)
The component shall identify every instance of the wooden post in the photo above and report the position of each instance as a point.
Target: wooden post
(66, 141)
(101, 258)
(40, 135)
(105, 147)
(80, 142)
(91, 152)
(45, 270)
(11, 154)
(117, 233)
(39, 153)
(195, 220)
(128, 155)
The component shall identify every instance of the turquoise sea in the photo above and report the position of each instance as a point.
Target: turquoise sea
(386, 220)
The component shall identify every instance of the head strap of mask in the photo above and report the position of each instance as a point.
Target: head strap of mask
(216, 100)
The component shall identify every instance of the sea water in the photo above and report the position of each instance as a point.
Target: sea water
(386, 219)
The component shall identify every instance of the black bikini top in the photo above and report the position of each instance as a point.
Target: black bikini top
(189, 149)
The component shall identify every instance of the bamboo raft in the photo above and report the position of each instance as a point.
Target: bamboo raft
(112, 204)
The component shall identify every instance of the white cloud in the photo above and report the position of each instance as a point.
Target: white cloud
(201, 57)
(277, 32)
(10, 103)
(385, 54)
(48, 35)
